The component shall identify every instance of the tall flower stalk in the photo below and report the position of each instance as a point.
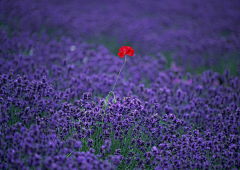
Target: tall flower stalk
(125, 50)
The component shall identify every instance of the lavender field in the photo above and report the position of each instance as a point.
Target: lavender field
(176, 103)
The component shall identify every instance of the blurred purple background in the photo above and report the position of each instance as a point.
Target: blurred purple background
(198, 35)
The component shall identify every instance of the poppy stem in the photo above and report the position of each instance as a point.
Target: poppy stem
(120, 72)
(106, 101)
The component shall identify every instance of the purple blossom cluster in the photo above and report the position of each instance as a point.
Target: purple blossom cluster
(52, 89)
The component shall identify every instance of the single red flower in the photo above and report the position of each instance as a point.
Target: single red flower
(125, 50)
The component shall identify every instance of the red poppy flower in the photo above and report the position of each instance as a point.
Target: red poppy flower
(126, 50)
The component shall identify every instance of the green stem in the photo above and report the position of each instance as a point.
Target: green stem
(120, 72)
(106, 101)
(70, 153)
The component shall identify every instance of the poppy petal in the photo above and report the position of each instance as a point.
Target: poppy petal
(121, 54)
(121, 49)
(130, 52)
(125, 50)
(124, 47)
